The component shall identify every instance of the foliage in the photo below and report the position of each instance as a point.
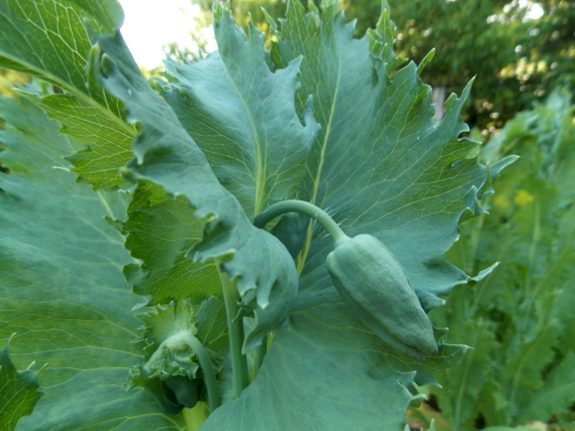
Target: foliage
(517, 60)
(177, 170)
(18, 391)
(547, 55)
(9, 79)
(520, 318)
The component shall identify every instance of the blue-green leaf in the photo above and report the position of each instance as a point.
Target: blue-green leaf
(381, 166)
(62, 288)
(243, 117)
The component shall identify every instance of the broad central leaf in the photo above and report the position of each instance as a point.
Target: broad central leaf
(242, 115)
(381, 166)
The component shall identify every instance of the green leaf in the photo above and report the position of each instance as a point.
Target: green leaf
(528, 301)
(557, 393)
(525, 362)
(380, 166)
(18, 391)
(161, 231)
(54, 44)
(169, 157)
(107, 140)
(62, 289)
(308, 380)
(462, 383)
(494, 403)
(243, 117)
(563, 267)
(172, 334)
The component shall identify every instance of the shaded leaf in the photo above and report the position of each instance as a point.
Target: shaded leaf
(54, 44)
(528, 300)
(463, 382)
(161, 231)
(19, 391)
(557, 393)
(62, 288)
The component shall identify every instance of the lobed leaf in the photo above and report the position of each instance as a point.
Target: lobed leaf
(49, 39)
(62, 289)
(161, 232)
(380, 165)
(528, 300)
(242, 116)
(556, 394)
(461, 401)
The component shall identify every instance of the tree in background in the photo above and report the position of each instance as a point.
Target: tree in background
(472, 38)
(517, 60)
(546, 51)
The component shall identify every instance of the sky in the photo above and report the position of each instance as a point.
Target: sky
(535, 9)
(150, 24)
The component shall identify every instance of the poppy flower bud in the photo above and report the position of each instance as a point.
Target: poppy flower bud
(375, 286)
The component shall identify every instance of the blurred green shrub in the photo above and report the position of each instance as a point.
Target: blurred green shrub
(521, 318)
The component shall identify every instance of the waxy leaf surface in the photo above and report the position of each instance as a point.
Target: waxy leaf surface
(165, 154)
(380, 165)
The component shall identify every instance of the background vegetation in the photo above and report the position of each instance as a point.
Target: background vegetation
(517, 60)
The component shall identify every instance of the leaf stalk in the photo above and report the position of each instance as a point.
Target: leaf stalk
(208, 368)
(235, 332)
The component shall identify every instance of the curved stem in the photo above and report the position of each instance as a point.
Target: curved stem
(235, 333)
(208, 368)
(306, 208)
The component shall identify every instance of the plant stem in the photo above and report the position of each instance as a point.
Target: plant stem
(235, 333)
(208, 369)
(306, 208)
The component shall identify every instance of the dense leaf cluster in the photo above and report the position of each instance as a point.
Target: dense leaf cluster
(520, 318)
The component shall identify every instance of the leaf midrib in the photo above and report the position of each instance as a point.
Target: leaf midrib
(307, 244)
(260, 177)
